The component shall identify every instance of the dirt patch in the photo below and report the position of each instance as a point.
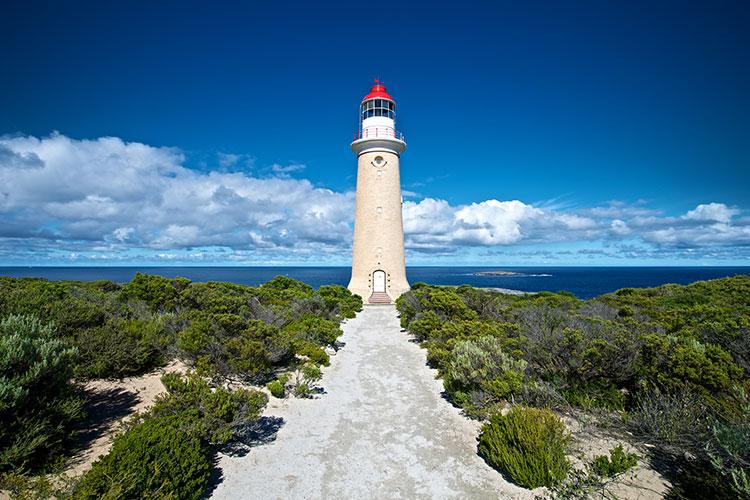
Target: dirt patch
(591, 439)
(109, 403)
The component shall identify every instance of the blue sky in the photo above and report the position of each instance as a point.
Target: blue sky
(550, 133)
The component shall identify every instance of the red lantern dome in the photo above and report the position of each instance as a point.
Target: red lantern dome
(378, 92)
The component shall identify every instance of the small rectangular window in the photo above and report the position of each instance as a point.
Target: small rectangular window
(378, 112)
(390, 106)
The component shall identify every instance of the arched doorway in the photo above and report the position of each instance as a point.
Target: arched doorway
(378, 282)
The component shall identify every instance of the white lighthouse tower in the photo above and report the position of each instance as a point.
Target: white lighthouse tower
(378, 266)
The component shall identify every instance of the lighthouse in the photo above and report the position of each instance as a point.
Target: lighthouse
(378, 265)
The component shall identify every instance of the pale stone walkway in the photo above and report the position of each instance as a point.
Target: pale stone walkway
(381, 430)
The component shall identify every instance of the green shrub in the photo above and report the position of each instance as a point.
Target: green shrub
(158, 292)
(38, 405)
(425, 325)
(578, 351)
(728, 448)
(595, 395)
(447, 302)
(277, 388)
(305, 378)
(481, 366)
(247, 358)
(154, 459)
(671, 362)
(339, 298)
(195, 338)
(592, 481)
(215, 415)
(312, 352)
(119, 348)
(678, 419)
(315, 329)
(615, 464)
(281, 290)
(528, 444)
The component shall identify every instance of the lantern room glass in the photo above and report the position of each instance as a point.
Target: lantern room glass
(378, 107)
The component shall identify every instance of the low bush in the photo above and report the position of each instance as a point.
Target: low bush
(312, 352)
(276, 388)
(315, 329)
(282, 290)
(304, 379)
(678, 420)
(671, 362)
(38, 404)
(728, 448)
(528, 444)
(245, 357)
(616, 463)
(480, 372)
(158, 292)
(593, 480)
(154, 459)
(340, 300)
(540, 394)
(595, 395)
(216, 415)
(119, 348)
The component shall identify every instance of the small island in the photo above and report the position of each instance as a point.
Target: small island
(496, 273)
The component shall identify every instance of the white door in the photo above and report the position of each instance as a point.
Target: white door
(378, 281)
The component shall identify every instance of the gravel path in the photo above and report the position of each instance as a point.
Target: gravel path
(381, 430)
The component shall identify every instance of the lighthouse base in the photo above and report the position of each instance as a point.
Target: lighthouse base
(362, 286)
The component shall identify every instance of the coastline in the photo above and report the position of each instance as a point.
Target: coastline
(507, 291)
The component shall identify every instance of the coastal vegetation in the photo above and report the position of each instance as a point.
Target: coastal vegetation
(664, 369)
(55, 336)
(529, 444)
(668, 366)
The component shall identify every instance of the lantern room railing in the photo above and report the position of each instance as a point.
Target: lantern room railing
(376, 132)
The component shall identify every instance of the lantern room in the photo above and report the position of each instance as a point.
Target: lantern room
(377, 117)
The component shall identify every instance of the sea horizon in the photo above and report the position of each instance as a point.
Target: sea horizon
(584, 282)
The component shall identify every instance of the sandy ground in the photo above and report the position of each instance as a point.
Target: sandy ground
(109, 403)
(590, 440)
(380, 430)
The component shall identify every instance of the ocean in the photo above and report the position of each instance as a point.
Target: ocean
(583, 282)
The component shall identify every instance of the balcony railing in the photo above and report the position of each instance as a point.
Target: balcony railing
(376, 132)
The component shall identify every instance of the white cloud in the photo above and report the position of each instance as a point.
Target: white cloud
(434, 223)
(106, 199)
(228, 159)
(59, 188)
(712, 211)
(287, 169)
(619, 227)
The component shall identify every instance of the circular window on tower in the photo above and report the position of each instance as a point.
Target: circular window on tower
(378, 161)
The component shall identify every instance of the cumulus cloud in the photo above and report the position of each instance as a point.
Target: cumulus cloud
(712, 211)
(132, 194)
(432, 223)
(106, 199)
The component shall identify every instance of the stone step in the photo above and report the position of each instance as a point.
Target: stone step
(379, 298)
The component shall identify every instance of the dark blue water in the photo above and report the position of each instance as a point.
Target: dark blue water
(584, 282)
